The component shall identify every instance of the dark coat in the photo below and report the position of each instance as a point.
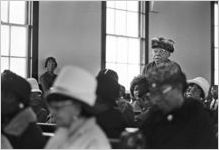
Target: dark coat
(112, 122)
(152, 65)
(46, 81)
(32, 138)
(190, 127)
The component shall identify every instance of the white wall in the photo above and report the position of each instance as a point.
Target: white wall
(188, 23)
(71, 32)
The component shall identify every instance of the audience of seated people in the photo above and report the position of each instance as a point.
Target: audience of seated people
(166, 111)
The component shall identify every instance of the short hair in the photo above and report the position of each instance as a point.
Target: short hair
(50, 58)
(139, 80)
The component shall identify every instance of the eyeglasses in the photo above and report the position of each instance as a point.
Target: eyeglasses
(57, 106)
(159, 91)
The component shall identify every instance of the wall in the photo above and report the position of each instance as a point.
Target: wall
(71, 32)
(188, 23)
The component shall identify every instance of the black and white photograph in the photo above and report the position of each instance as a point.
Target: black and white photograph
(116, 74)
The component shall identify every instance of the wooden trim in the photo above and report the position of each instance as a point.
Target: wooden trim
(35, 39)
(103, 35)
(212, 42)
(147, 7)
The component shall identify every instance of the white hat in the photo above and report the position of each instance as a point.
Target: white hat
(202, 82)
(34, 85)
(76, 83)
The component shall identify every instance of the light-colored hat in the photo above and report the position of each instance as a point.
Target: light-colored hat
(34, 85)
(77, 83)
(202, 82)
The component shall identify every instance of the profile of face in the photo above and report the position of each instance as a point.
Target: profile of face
(160, 55)
(51, 65)
(193, 91)
(165, 98)
(66, 112)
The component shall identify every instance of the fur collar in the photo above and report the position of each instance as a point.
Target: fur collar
(20, 122)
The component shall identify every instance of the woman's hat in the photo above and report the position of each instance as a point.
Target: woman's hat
(202, 83)
(160, 42)
(76, 83)
(34, 85)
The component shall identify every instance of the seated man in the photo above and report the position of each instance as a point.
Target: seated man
(175, 121)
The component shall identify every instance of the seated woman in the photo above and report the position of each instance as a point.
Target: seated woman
(140, 103)
(18, 122)
(110, 118)
(197, 88)
(72, 99)
(47, 79)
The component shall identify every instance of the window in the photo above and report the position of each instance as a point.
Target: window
(125, 38)
(16, 29)
(216, 43)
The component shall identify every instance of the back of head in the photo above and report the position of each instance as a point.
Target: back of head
(108, 87)
(166, 74)
(15, 90)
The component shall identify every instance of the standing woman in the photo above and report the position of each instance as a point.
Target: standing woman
(72, 99)
(47, 79)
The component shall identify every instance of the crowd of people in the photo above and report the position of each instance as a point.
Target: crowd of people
(163, 109)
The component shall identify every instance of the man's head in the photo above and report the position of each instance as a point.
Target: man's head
(166, 87)
(51, 64)
(161, 49)
(214, 91)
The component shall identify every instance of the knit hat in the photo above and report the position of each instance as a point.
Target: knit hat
(76, 83)
(34, 85)
(202, 83)
(17, 85)
(167, 73)
(160, 42)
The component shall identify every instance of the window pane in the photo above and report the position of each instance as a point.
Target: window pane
(120, 23)
(121, 5)
(4, 63)
(132, 24)
(4, 11)
(110, 23)
(133, 70)
(215, 14)
(216, 36)
(4, 40)
(134, 51)
(132, 5)
(18, 65)
(112, 66)
(111, 49)
(18, 41)
(17, 12)
(110, 4)
(122, 73)
(122, 50)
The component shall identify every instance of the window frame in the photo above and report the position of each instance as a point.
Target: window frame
(143, 51)
(213, 43)
(31, 25)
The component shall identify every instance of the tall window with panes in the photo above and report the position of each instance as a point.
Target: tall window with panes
(15, 36)
(125, 38)
(216, 43)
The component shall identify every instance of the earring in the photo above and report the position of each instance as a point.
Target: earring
(21, 105)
